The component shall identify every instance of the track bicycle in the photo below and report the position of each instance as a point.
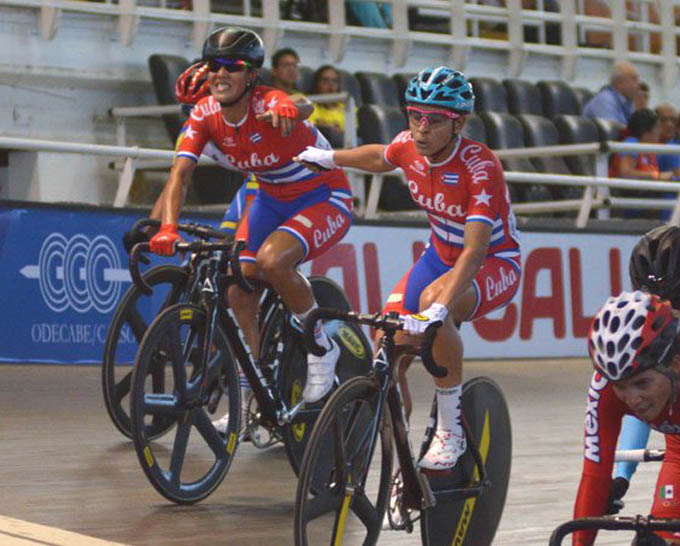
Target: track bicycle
(197, 349)
(359, 428)
(168, 284)
(642, 526)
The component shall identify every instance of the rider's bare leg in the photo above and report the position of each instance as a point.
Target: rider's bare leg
(245, 306)
(278, 259)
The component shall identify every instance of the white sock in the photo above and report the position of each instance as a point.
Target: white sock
(448, 409)
(245, 387)
(320, 335)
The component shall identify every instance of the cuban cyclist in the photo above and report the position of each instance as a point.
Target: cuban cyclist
(633, 343)
(473, 243)
(297, 214)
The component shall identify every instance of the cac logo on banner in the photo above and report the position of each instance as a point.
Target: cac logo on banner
(78, 273)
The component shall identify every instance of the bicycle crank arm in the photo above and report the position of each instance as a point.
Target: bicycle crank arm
(286, 417)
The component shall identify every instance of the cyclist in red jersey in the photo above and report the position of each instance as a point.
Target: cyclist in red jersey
(472, 263)
(634, 344)
(298, 214)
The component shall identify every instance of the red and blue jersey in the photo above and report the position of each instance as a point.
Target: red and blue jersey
(467, 186)
(254, 146)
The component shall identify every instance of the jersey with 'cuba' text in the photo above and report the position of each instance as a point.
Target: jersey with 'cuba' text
(254, 146)
(467, 186)
(602, 425)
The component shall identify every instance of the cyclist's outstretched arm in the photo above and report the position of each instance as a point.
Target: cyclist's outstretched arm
(367, 158)
(304, 105)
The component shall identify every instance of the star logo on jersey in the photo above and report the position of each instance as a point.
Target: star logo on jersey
(189, 133)
(271, 103)
(482, 197)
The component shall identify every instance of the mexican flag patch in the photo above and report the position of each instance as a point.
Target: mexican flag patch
(666, 492)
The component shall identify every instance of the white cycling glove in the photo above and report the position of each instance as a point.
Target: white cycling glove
(418, 322)
(318, 156)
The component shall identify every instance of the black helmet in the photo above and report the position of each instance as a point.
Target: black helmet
(234, 43)
(655, 263)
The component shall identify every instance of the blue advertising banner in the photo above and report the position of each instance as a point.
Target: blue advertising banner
(64, 270)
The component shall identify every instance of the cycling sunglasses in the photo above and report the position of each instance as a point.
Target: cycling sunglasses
(230, 65)
(429, 117)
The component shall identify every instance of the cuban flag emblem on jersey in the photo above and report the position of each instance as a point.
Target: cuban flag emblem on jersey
(255, 137)
(450, 178)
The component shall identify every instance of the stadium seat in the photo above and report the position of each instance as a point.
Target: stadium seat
(164, 71)
(490, 95)
(349, 83)
(402, 83)
(305, 77)
(583, 95)
(379, 125)
(523, 97)
(378, 89)
(540, 131)
(474, 128)
(608, 129)
(578, 130)
(504, 131)
(558, 98)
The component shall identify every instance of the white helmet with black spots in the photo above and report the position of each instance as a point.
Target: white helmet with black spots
(633, 332)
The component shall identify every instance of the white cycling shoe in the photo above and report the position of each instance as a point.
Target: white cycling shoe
(446, 448)
(320, 374)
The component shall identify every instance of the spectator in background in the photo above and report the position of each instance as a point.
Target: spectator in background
(641, 100)
(643, 127)
(615, 101)
(370, 14)
(668, 122)
(328, 117)
(285, 70)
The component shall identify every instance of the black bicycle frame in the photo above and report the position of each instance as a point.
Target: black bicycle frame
(639, 524)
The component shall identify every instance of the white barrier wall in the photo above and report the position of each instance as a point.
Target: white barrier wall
(565, 279)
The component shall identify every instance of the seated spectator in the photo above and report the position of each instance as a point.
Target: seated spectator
(328, 117)
(668, 123)
(615, 101)
(643, 127)
(641, 100)
(370, 14)
(285, 70)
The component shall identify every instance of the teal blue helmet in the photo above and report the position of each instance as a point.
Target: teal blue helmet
(441, 87)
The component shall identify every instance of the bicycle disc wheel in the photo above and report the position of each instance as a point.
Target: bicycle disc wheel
(294, 368)
(473, 521)
(344, 482)
(128, 325)
(187, 467)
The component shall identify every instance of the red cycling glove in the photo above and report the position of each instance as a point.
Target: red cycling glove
(163, 243)
(285, 109)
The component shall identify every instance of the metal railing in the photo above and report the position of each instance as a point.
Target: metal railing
(463, 22)
(595, 192)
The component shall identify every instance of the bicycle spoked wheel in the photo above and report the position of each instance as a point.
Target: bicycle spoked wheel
(130, 321)
(344, 481)
(187, 466)
(473, 521)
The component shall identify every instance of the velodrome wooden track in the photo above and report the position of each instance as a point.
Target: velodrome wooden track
(67, 477)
